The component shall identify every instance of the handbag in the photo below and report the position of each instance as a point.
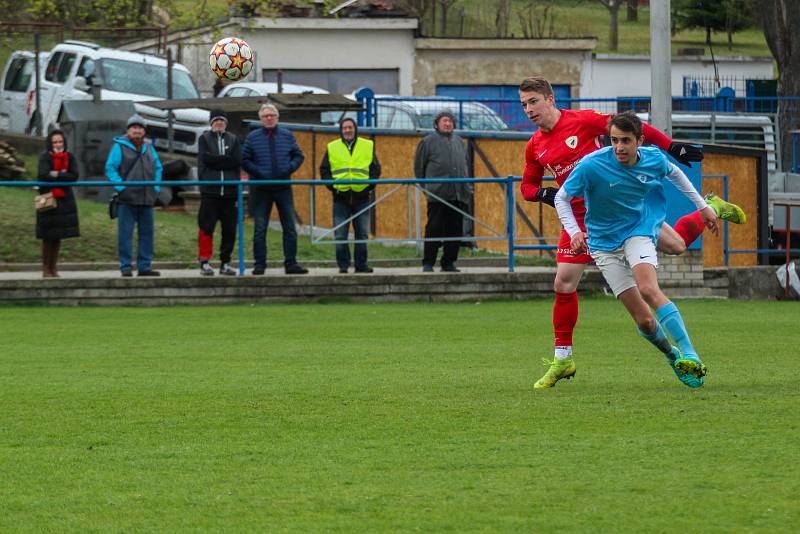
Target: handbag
(113, 202)
(45, 202)
(113, 206)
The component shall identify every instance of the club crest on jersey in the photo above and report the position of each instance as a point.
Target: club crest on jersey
(642, 178)
(572, 141)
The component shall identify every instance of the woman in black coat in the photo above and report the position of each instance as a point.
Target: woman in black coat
(56, 165)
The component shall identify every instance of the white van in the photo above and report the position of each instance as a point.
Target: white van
(740, 129)
(74, 66)
(19, 91)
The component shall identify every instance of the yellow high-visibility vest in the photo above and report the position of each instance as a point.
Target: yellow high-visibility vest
(347, 166)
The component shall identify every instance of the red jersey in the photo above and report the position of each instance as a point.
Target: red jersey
(577, 133)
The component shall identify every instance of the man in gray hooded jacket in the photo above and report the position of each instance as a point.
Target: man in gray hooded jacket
(443, 154)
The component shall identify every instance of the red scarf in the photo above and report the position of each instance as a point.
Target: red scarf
(60, 163)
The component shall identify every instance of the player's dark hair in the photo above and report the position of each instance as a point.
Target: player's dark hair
(627, 121)
(537, 84)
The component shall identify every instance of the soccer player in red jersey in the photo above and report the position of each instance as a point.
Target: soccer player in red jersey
(563, 138)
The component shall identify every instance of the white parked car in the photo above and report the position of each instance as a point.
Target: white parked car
(267, 88)
(74, 66)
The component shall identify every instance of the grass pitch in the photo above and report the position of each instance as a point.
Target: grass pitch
(407, 417)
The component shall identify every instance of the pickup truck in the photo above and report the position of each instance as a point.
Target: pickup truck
(74, 67)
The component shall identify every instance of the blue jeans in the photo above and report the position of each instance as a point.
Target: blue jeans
(342, 212)
(262, 210)
(142, 217)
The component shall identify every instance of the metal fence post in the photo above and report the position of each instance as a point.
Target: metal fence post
(510, 203)
(240, 215)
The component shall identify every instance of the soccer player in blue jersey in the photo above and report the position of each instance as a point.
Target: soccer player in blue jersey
(623, 190)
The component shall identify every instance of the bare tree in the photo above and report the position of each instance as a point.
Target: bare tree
(445, 5)
(613, 23)
(633, 10)
(537, 21)
(781, 22)
(501, 18)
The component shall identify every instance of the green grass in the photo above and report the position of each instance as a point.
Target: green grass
(176, 237)
(574, 18)
(402, 417)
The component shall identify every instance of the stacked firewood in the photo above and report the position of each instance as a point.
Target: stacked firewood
(11, 166)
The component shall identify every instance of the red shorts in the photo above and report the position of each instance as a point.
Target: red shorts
(564, 252)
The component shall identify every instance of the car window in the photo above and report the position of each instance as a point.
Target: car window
(52, 67)
(19, 73)
(65, 67)
(237, 91)
(86, 68)
(145, 79)
(402, 120)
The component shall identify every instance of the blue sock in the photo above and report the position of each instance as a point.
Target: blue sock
(669, 316)
(658, 338)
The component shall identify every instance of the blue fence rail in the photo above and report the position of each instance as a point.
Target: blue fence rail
(510, 205)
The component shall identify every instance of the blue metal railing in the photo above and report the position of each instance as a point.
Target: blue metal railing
(510, 205)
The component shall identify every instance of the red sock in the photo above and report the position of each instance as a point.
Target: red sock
(690, 227)
(565, 317)
(205, 245)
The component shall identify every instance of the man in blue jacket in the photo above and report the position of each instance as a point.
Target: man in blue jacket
(271, 153)
(133, 159)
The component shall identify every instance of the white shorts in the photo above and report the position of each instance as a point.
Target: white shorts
(617, 266)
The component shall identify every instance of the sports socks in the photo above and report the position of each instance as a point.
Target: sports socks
(669, 316)
(565, 317)
(690, 227)
(658, 339)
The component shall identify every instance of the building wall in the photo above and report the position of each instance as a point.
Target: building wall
(609, 76)
(498, 61)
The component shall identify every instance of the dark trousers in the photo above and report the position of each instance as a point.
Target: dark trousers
(262, 210)
(341, 212)
(443, 221)
(215, 208)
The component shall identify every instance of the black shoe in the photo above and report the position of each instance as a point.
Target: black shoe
(342, 270)
(450, 269)
(205, 269)
(149, 272)
(126, 274)
(296, 269)
(427, 268)
(365, 269)
(258, 271)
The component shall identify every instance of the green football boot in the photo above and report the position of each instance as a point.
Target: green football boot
(688, 368)
(727, 211)
(558, 369)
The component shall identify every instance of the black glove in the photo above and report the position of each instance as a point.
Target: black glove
(547, 195)
(685, 153)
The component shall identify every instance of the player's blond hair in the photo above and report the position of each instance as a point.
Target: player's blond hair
(537, 84)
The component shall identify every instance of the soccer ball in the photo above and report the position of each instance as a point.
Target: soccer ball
(231, 59)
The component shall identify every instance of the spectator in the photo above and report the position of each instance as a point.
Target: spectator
(219, 158)
(61, 222)
(133, 159)
(443, 154)
(271, 153)
(350, 158)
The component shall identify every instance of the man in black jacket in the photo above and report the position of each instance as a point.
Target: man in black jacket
(219, 159)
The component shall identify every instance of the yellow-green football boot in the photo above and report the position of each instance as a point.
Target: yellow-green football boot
(727, 211)
(689, 369)
(558, 369)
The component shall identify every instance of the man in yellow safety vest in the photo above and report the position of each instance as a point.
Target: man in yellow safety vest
(351, 158)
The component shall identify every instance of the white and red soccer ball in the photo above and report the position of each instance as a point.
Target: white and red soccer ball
(231, 59)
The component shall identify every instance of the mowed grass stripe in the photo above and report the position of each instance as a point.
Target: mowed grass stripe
(393, 417)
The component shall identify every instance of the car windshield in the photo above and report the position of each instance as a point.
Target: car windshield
(473, 120)
(145, 79)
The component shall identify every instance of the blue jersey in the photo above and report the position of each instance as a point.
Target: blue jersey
(621, 201)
